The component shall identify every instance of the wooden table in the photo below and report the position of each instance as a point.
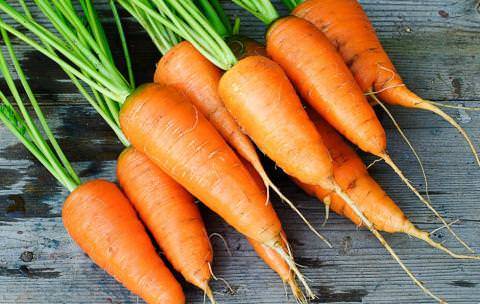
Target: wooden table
(436, 46)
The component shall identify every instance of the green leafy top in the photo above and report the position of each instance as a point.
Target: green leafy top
(187, 21)
(262, 9)
(78, 37)
(36, 136)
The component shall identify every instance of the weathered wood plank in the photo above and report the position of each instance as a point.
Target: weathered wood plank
(438, 57)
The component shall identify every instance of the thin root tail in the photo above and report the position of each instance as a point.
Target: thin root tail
(399, 172)
(377, 234)
(209, 294)
(426, 105)
(294, 208)
(293, 267)
(327, 201)
(425, 236)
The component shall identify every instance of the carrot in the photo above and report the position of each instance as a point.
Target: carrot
(101, 220)
(347, 26)
(352, 176)
(166, 127)
(278, 124)
(325, 82)
(268, 255)
(96, 214)
(260, 97)
(170, 214)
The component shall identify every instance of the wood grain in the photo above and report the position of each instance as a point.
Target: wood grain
(434, 44)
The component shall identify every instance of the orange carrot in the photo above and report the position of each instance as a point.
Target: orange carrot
(268, 255)
(325, 82)
(101, 220)
(347, 26)
(170, 214)
(352, 175)
(278, 124)
(184, 68)
(162, 123)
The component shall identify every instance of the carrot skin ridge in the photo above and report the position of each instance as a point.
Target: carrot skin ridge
(122, 248)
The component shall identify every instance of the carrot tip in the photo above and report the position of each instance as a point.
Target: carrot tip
(425, 236)
(209, 294)
(399, 172)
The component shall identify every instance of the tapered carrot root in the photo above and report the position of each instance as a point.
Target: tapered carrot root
(270, 256)
(170, 213)
(352, 176)
(162, 123)
(347, 26)
(103, 223)
(278, 124)
(181, 68)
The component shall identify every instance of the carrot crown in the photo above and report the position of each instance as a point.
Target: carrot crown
(37, 137)
(80, 40)
(186, 20)
(262, 9)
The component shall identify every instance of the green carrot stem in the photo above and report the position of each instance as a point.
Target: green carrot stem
(38, 111)
(222, 28)
(262, 9)
(123, 40)
(291, 4)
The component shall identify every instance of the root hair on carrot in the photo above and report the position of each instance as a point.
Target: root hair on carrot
(407, 141)
(294, 208)
(289, 260)
(374, 162)
(327, 201)
(443, 226)
(385, 244)
(425, 236)
(397, 170)
(426, 105)
(229, 287)
(225, 243)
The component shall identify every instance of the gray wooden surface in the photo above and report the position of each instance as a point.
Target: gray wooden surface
(434, 43)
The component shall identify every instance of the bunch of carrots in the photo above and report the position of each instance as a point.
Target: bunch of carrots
(193, 132)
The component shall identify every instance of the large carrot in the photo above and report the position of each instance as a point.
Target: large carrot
(263, 101)
(179, 231)
(183, 67)
(352, 175)
(347, 26)
(165, 126)
(96, 214)
(325, 82)
(186, 69)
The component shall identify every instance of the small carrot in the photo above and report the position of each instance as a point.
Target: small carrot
(103, 223)
(347, 26)
(96, 214)
(170, 214)
(162, 123)
(352, 175)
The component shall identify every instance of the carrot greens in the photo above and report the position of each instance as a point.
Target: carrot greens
(37, 137)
